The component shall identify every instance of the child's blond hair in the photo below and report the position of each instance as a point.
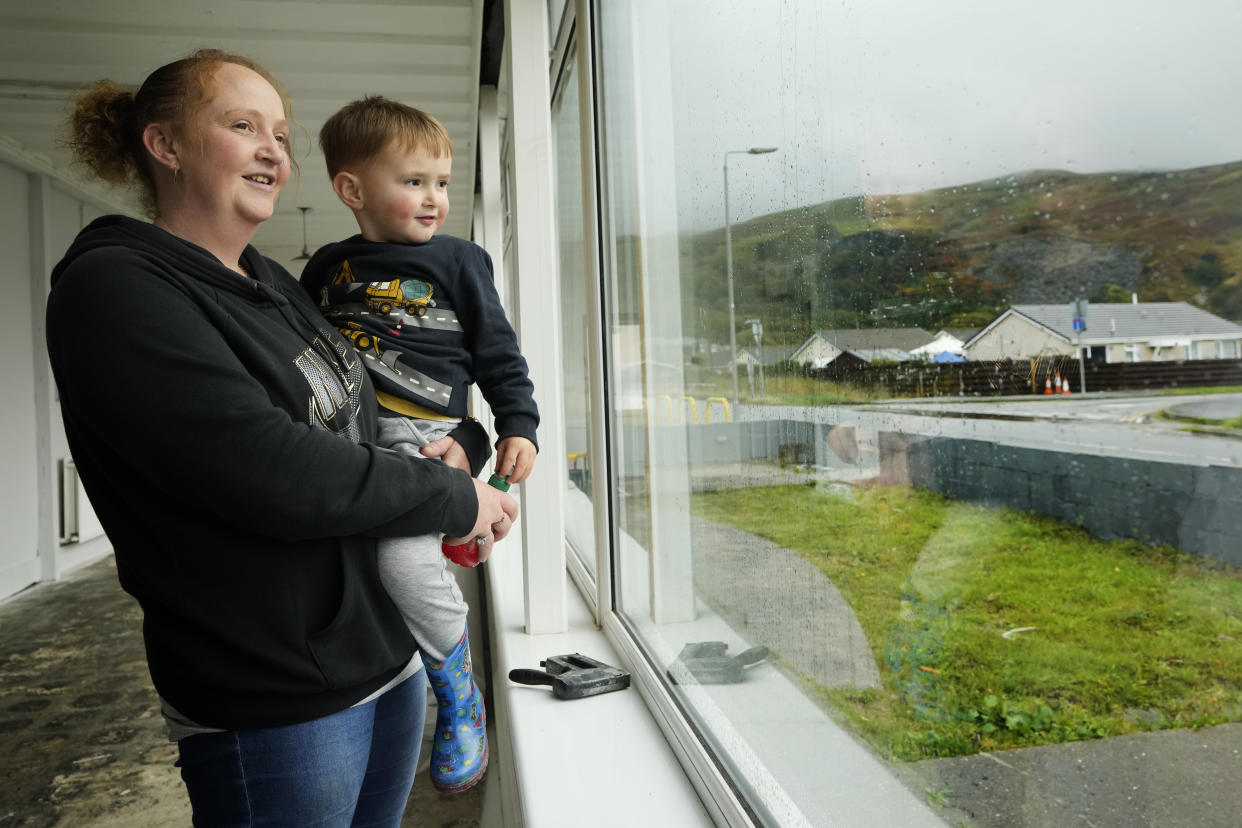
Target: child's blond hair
(361, 130)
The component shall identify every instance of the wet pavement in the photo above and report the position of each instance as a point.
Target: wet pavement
(1225, 407)
(82, 742)
(1187, 778)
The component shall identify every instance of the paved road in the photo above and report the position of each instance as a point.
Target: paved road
(1145, 780)
(1224, 407)
(1102, 408)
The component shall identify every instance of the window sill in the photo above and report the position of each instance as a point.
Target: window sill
(597, 761)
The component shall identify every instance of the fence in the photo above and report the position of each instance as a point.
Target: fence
(1015, 377)
(1196, 508)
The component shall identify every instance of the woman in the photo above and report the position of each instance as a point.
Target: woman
(222, 430)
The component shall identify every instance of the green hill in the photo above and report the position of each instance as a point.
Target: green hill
(954, 257)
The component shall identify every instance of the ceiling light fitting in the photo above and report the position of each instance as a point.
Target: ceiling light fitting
(305, 252)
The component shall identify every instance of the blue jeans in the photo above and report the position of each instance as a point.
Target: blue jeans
(353, 768)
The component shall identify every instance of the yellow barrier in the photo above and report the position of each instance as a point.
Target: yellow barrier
(675, 416)
(724, 402)
(668, 405)
(694, 408)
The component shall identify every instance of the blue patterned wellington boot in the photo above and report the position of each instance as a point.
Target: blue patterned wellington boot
(459, 752)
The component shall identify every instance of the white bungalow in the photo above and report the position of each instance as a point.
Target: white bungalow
(822, 347)
(1124, 332)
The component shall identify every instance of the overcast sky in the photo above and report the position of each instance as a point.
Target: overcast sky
(883, 96)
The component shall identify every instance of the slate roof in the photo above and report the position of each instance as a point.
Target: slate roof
(963, 334)
(771, 353)
(1126, 320)
(874, 339)
(873, 354)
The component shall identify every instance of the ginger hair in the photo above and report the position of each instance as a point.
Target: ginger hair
(104, 131)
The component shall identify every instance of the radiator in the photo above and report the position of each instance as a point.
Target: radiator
(78, 523)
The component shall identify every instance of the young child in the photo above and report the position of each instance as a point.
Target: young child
(423, 312)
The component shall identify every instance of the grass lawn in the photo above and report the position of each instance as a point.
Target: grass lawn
(791, 390)
(1104, 637)
(1214, 389)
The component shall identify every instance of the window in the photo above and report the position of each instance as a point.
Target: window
(1194, 350)
(1227, 349)
(844, 583)
(575, 330)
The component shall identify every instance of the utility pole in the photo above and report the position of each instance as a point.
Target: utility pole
(1078, 312)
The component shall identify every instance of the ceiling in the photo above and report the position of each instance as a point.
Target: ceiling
(425, 53)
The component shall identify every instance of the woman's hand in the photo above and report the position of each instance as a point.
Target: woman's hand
(497, 511)
(450, 451)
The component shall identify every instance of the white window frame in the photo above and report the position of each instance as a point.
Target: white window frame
(671, 582)
(571, 46)
(531, 265)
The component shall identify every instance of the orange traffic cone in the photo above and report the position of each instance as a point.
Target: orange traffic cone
(1048, 385)
(1065, 385)
(1056, 386)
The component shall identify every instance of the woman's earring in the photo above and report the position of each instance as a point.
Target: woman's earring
(175, 170)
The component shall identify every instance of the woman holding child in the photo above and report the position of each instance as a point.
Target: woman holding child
(224, 432)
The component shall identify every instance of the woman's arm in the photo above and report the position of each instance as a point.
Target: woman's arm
(163, 388)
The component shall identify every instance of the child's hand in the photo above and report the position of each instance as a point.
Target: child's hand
(515, 457)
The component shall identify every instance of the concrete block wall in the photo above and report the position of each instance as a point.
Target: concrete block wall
(1196, 508)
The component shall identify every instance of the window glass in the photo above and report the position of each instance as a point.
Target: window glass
(555, 10)
(862, 261)
(579, 511)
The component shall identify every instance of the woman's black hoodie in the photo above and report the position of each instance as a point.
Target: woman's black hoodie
(221, 428)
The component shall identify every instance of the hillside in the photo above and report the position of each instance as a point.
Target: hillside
(953, 257)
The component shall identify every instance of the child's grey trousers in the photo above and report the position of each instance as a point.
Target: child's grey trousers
(414, 570)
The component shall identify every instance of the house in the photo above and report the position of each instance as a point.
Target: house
(945, 342)
(868, 344)
(768, 354)
(1121, 332)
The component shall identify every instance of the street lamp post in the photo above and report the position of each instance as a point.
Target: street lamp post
(729, 262)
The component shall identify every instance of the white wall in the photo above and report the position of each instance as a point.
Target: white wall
(817, 349)
(65, 214)
(1016, 338)
(19, 559)
(39, 218)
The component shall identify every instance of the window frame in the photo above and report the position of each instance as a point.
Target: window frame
(717, 791)
(575, 52)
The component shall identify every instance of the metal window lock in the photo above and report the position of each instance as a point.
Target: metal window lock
(573, 676)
